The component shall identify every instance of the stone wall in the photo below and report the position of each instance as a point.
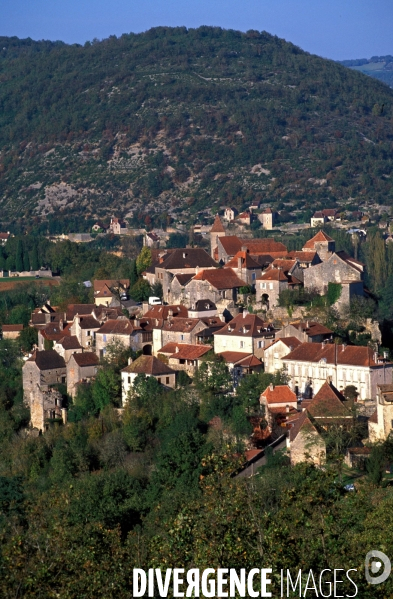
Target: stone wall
(308, 446)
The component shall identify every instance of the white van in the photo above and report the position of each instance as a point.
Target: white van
(154, 301)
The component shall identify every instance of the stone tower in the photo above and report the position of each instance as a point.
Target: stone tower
(216, 231)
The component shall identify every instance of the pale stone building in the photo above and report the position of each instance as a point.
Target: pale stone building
(80, 368)
(245, 333)
(149, 366)
(380, 424)
(310, 364)
(276, 351)
(305, 443)
(84, 329)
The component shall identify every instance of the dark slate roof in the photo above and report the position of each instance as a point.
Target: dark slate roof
(85, 359)
(47, 359)
(187, 258)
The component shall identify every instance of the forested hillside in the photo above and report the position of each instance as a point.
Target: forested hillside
(175, 118)
(380, 67)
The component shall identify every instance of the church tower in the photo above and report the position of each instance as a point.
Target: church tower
(216, 231)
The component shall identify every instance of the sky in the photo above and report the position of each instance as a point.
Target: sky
(336, 29)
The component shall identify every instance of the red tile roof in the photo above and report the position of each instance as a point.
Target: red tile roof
(81, 309)
(186, 351)
(231, 244)
(273, 274)
(312, 328)
(265, 246)
(353, 355)
(290, 342)
(250, 362)
(233, 357)
(279, 394)
(100, 283)
(217, 226)
(12, 328)
(180, 325)
(246, 261)
(47, 360)
(321, 236)
(162, 312)
(220, 278)
(328, 403)
(303, 256)
(246, 325)
(116, 327)
(85, 359)
(70, 342)
(88, 322)
(302, 423)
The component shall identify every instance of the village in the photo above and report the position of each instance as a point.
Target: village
(224, 305)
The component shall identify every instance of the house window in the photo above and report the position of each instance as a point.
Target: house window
(263, 285)
(181, 337)
(261, 344)
(253, 276)
(167, 380)
(241, 343)
(159, 380)
(104, 338)
(129, 380)
(88, 333)
(270, 285)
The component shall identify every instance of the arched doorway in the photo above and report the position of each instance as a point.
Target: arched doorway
(265, 300)
(147, 350)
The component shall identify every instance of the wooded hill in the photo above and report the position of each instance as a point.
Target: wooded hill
(380, 67)
(175, 119)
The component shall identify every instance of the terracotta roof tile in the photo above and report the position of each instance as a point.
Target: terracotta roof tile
(321, 236)
(246, 261)
(187, 258)
(220, 278)
(162, 312)
(248, 325)
(85, 359)
(279, 394)
(353, 355)
(302, 423)
(273, 274)
(186, 351)
(116, 327)
(217, 226)
(47, 360)
(148, 365)
(328, 403)
(10, 328)
(233, 357)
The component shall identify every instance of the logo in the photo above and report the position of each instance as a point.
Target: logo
(374, 562)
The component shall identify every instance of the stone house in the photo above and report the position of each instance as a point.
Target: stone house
(273, 354)
(240, 364)
(271, 284)
(177, 330)
(307, 331)
(117, 226)
(67, 346)
(186, 261)
(309, 365)
(318, 219)
(380, 424)
(245, 267)
(216, 232)
(228, 246)
(305, 258)
(304, 442)
(245, 333)
(202, 308)
(279, 403)
(268, 218)
(11, 331)
(80, 368)
(39, 373)
(229, 214)
(52, 333)
(149, 366)
(151, 240)
(107, 290)
(321, 243)
(84, 329)
(184, 356)
(124, 332)
(244, 218)
(339, 267)
(213, 284)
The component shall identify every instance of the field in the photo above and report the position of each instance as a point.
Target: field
(9, 283)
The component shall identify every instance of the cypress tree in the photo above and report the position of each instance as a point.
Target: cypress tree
(26, 259)
(19, 256)
(35, 264)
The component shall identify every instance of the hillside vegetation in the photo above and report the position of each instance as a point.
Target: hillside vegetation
(380, 67)
(177, 120)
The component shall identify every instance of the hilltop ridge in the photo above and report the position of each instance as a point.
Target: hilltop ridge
(175, 120)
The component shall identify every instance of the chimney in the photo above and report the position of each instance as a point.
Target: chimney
(170, 313)
(271, 386)
(136, 322)
(64, 415)
(48, 302)
(376, 357)
(244, 313)
(197, 270)
(287, 408)
(177, 349)
(239, 262)
(129, 361)
(307, 324)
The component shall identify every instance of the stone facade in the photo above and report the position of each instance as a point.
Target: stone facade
(40, 372)
(80, 367)
(333, 270)
(380, 425)
(308, 445)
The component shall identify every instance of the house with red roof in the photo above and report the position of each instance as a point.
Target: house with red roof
(321, 243)
(184, 356)
(212, 284)
(246, 333)
(279, 403)
(245, 267)
(309, 365)
(380, 424)
(276, 279)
